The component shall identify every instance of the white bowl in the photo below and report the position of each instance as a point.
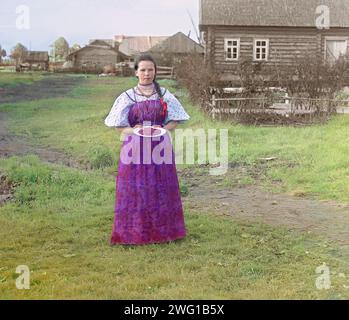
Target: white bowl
(161, 133)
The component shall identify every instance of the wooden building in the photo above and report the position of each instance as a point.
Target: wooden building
(272, 31)
(34, 60)
(165, 49)
(96, 55)
(132, 46)
(173, 49)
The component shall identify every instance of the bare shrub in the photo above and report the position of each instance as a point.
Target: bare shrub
(248, 104)
(255, 87)
(198, 77)
(311, 84)
(109, 69)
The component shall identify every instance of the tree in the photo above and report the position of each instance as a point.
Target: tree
(60, 49)
(2, 53)
(74, 48)
(18, 52)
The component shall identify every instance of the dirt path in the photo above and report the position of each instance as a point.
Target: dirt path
(251, 203)
(11, 145)
(50, 87)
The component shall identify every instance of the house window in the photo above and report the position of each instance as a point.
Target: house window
(232, 49)
(261, 50)
(335, 48)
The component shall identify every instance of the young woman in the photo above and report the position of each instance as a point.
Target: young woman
(148, 207)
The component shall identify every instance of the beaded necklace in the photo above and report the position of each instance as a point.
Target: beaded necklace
(144, 94)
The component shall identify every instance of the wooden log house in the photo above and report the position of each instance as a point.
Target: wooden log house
(174, 49)
(272, 31)
(34, 60)
(97, 54)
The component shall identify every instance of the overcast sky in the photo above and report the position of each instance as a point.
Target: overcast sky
(81, 20)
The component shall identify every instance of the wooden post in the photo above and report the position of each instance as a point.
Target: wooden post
(287, 101)
(214, 106)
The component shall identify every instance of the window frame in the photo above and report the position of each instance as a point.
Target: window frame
(226, 49)
(255, 49)
(333, 38)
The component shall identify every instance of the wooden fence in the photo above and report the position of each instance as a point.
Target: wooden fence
(269, 103)
(165, 73)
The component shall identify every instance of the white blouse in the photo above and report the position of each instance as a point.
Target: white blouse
(118, 115)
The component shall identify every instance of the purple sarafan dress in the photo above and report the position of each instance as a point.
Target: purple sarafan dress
(148, 207)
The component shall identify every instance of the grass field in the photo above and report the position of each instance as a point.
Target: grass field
(60, 220)
(13, 79)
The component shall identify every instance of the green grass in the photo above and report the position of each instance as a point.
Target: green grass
(59, 222)
(311, 160)
(74, 123)
(10, 79)
(59, 226)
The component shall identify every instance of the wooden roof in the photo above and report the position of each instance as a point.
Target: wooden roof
(132, 45)
(101, 43)
(178, 43)
(283, 13)
(94, 44)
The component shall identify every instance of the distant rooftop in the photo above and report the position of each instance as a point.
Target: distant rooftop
(131, 45)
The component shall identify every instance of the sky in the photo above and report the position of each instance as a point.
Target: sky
(38, 23)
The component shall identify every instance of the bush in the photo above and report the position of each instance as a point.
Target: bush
(109, 69)
(311, 84)
(198, 77)
(311, 78)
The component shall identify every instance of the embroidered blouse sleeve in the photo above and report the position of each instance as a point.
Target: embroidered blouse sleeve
(118, 115)
(175, 109)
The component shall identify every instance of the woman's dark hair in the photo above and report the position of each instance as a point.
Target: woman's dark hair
(148, 57)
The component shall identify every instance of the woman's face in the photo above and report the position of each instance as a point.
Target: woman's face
(145, 72)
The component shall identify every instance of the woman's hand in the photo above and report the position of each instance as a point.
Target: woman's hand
(128, 130)
(171, 125)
